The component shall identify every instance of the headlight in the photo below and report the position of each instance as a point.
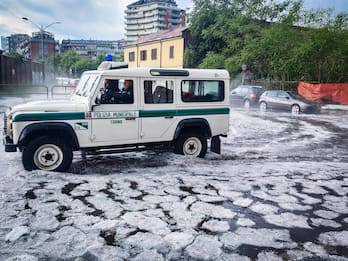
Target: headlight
(8, 125)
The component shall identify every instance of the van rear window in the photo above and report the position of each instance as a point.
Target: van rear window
(202, 91)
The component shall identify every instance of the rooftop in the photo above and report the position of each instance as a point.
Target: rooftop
(144, 2)
(170, 33)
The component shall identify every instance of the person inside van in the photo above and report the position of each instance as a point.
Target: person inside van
(126, 95)
(109, 92)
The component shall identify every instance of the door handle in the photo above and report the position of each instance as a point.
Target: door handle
(168, 117)
(130, 118)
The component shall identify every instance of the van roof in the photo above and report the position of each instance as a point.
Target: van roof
(172, 72)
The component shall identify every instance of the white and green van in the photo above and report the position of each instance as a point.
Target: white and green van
(178, 108)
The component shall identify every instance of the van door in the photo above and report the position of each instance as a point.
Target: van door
(158, 113)
(116, 120)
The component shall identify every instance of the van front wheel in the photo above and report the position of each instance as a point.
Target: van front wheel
(191, 144)
(47, 153)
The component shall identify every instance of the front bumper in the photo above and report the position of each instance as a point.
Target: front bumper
(311, 109)
(8, 144)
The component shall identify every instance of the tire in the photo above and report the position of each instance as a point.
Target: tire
(263, 106)
(191, 144)
(47, 153)
(247, 104)
(295, 109)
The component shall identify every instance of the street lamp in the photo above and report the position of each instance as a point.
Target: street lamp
(42, 29)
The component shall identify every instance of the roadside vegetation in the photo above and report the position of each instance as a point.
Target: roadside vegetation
(278, 40)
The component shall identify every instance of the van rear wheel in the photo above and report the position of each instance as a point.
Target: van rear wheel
(47, 153)
(191, 144)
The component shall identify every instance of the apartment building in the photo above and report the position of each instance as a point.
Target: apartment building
(163, 49)
(145, 17)
(18, 43)
(93, 48)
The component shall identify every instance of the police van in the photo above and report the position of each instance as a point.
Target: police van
(181, 109)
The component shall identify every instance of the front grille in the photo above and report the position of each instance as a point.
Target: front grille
(5, 124)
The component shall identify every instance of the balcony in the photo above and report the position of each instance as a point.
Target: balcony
(131, 22)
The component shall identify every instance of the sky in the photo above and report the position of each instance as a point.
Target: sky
(89, 19)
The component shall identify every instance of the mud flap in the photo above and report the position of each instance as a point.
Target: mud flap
(215, 145)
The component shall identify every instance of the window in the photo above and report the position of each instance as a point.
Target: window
(244, 91)
(283, 95)
(153, 54)
(143, 55)
(171, 52)
(158, 91)
(202, 91)
(131, 56)
(117, 91)
(271, 93)
(86, 85)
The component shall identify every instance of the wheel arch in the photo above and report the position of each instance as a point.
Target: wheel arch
(296, 104)
(200, 124)
(58, 129)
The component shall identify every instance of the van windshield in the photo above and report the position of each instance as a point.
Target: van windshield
(87, 84)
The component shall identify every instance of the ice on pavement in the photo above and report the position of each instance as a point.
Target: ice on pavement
(179, 240)
(275, 238)
(152, 224)
(205, 248)
(288, 220)
(333, 238)
(216, 226)
(250, 200)
(16, 233)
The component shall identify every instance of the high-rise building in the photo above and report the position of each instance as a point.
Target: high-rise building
(4, 44)
(145, 17)
(93, 48)
(42, 44)
(19, 43)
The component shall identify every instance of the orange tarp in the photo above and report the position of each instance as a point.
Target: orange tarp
(336, 92)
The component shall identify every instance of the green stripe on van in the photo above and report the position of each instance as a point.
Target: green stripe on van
(49, 116)
(185, 112)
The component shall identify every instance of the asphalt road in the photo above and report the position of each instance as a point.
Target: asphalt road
(278, 191)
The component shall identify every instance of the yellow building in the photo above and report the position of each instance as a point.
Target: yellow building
(164, 49)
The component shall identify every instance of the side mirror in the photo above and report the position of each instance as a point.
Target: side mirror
(233, 92)
(98, 99)
(287, 97)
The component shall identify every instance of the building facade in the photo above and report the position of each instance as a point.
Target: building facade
(42, 44)
(4, 44)
(94, 48)
(19, 43)
(162, 50)
(145, 17)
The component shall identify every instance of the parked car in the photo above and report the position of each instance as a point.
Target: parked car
(245, 96)
(288, 101)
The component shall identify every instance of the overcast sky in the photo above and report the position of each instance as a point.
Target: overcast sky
(89, 19)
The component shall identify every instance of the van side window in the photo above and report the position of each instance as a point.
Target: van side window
(158, 91)
(202, 91)
(117, 91)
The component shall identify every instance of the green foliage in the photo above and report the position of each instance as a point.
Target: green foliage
(276, 39)
(213, 60)
(15, 55)
(71, 63)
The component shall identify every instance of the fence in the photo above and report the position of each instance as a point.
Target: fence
(61, 91)
(277, 85)
(18, 71)
(40, 91)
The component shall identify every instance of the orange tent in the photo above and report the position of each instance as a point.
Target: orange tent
(336, 92)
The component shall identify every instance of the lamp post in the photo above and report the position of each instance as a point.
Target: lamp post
(42, 29)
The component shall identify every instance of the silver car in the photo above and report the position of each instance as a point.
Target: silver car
(287, 101)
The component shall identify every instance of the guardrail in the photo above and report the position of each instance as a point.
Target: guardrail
(21, 90)
(61, 90)
(25, 90)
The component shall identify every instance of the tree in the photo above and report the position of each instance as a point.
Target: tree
(276, 39)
